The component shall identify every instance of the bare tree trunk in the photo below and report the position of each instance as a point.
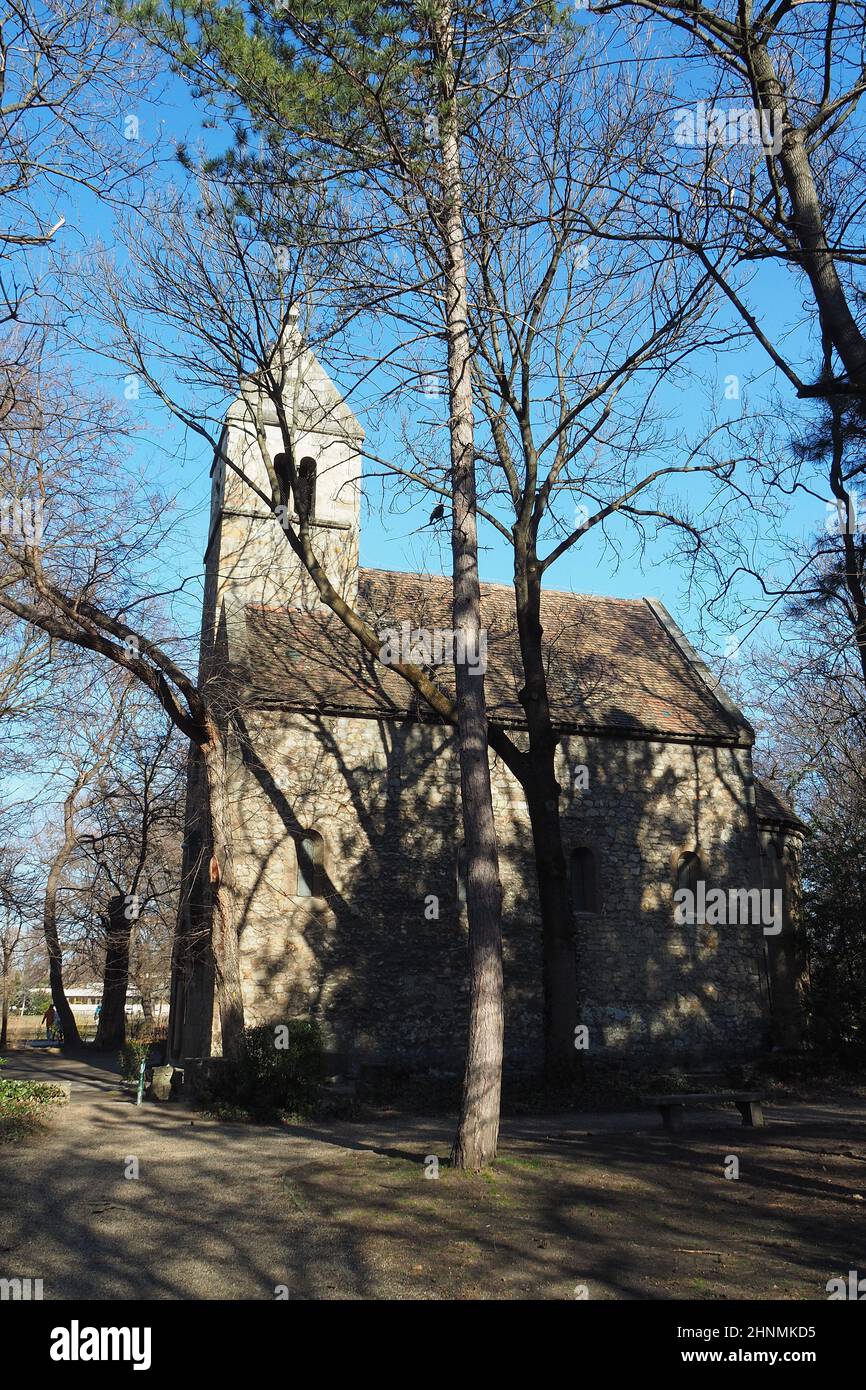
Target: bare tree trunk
(71, 1035)
(807, 222)
(478, 1129)
(557, 921)
(542, 799)
(111, 1033)
(851, 549)
(4, 1002)
(191, 1009)
(224, 915)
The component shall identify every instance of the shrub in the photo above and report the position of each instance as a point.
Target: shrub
(35, 1004)
(139, 1028)
(144, 1039)
(279, 1072)
(131, 1056)
(23, 1105)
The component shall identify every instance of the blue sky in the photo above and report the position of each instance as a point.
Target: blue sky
(395, 542)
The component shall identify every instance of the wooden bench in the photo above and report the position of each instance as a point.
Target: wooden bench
(673, 1108)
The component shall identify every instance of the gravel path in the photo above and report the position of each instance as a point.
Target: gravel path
(340, 1210)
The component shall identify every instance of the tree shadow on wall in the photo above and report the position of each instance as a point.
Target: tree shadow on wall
(378, 953)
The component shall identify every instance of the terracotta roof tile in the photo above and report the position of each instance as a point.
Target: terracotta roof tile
(773, 807)
(612, 664)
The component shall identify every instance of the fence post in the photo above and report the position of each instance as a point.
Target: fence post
(140, 1096)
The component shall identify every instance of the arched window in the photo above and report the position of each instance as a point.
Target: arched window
(306, 488)
(773, 865)
(688, 871)
(310, 851)
(584, 887)
(461, 876)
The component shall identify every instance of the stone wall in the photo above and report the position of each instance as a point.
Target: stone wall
(649, 985)
(387, 977)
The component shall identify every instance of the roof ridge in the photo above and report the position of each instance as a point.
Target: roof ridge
(496, 584)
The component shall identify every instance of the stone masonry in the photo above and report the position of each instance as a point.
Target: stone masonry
(347, 817)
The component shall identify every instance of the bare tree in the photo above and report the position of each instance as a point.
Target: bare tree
(805, 687)
(16, 907)
(572, 337)
(83, 586)
(67, 77)
(762, 169)
(785, 186)
(129, 862)
(83, 796)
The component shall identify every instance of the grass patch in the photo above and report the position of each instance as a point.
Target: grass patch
(529, 1165)
(24, 1106)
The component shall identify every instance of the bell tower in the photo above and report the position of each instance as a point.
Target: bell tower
(249, 559)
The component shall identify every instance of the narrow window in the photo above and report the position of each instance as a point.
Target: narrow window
(461, 876)
(774, 865)
(310, 858)
(584, 895)
(688, 871)
(306, 489)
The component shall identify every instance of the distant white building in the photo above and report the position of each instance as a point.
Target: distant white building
(84, 1000)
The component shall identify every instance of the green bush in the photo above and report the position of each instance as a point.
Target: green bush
(23, 1105)
(279, 1072)
(35, 1004)
(131, 1056)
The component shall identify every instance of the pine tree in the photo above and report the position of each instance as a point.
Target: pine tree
(375, 98)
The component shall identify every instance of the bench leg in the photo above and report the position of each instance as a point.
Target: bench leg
(752, 1114)
(673, 1116)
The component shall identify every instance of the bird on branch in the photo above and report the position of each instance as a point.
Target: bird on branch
(437, 514)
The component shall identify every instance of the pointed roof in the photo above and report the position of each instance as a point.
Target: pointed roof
(773, 809)
(313, 398)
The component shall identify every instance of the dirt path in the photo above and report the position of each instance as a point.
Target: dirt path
(608, 1203)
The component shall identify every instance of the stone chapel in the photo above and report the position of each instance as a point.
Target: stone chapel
(346, 806)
